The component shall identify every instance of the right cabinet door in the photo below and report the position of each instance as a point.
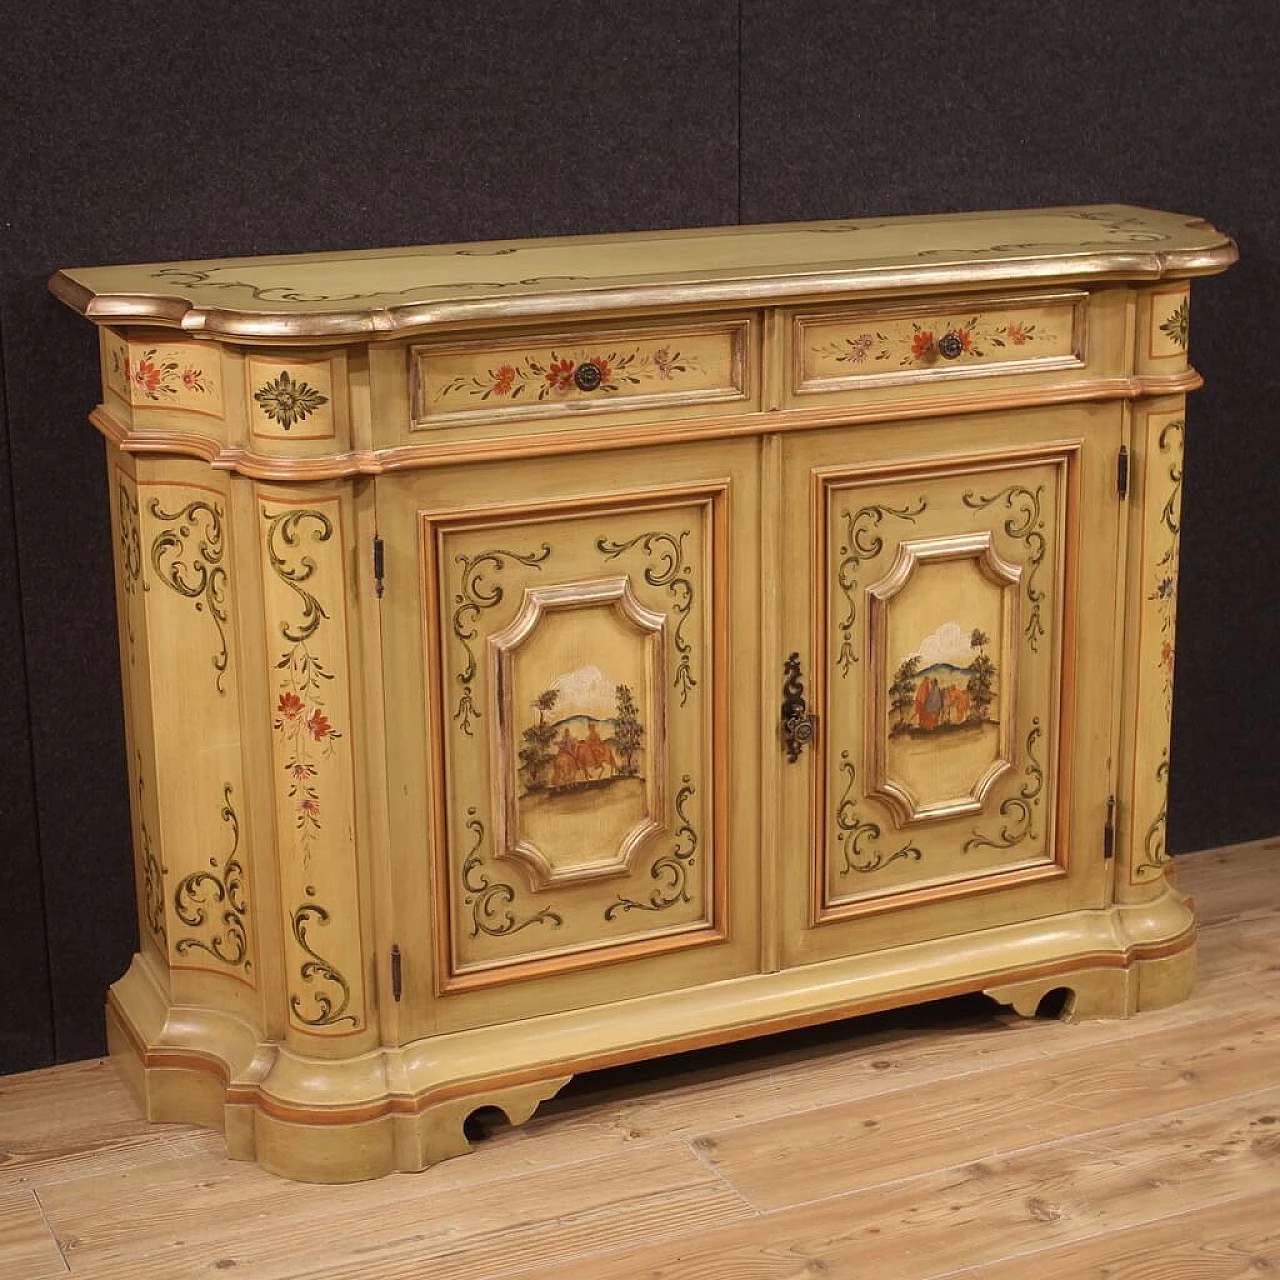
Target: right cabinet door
(951, 591)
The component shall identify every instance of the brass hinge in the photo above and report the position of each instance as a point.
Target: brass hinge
(1122, 472)
(397, 973)
(1109, 830)
(379, 564)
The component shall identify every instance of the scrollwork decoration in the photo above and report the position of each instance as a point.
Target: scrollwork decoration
(152, 873)
(474, 595)
(283, 532)
(671, 871)
(187, 557)
(1155, 855)
(1018, 811)
(857, 838)
(300, 715)
(332, 995)
(1165, 587)
(861, 542)
(491, 901)
(1027, 525)
(130, 553)
(203, 892)
(671, 572)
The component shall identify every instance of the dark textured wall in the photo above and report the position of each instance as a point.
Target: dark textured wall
(133, 132)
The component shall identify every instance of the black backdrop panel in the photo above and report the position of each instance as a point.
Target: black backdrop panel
(26, 1033)
(149, 133)
(883, 107)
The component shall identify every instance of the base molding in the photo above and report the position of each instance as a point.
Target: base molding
(320, 1120)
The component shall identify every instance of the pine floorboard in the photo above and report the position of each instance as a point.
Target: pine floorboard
(957, 1141)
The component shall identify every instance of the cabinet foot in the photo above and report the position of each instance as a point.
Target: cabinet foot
(1085, 994)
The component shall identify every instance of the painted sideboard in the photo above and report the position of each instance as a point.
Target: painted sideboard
(548, 654)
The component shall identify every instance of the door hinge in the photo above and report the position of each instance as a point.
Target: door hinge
(397, 973)
(379, 564)
(1109, 830)
(1122, 471)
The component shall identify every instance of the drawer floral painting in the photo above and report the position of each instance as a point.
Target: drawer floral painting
(835, 350)
(541, 376)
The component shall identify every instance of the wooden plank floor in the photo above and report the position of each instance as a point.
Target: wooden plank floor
(956, 1141)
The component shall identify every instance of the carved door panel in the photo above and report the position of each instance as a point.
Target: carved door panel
(560, 775)
(960, 658)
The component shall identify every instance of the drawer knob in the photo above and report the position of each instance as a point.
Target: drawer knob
(587, 376)
(950, 345)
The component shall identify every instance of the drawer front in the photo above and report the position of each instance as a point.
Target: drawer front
(591, 371)
(867, 346)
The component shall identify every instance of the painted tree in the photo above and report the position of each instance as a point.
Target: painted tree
(902, 692)
(628, 732)
(538, 750)
(981, 686)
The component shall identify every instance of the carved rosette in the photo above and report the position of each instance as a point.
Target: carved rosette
(1168, 325)
(305, 588)
(1161, 506)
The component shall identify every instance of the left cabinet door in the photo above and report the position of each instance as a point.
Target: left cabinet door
(568, 649)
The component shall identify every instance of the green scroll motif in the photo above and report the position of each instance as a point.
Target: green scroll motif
(671, 572)
(217, 890)
(1155, 855)
(152, 875)
(491, 901)
(283, 540)
(1027, 525)
(857, 838)
(187, 558)
(671, 871)
(861, 542)
(1017, 811)
(332, 992)
(1165, 585)
(474, 595)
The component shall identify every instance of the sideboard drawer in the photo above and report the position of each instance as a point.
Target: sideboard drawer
(863, 347)
(591, 371)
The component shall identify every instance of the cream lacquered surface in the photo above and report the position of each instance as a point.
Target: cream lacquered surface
(465, 595)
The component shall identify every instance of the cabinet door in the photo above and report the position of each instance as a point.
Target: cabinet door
(559, 641)
(958, 581)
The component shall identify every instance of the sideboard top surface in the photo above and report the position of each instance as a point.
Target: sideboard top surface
(390, 292)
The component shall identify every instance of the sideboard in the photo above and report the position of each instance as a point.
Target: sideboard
(548, 654)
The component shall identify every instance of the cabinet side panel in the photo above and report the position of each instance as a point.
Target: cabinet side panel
(1152, 609)
(180, 550)
(306, 588)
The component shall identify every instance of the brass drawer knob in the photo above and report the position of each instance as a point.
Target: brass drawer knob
(950, 346)
(587, 376)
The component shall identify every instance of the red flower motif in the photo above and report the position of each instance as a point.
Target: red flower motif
(318, 725)
(560, 375)
(606, 372)
(300, 771)
(291, 707)
(193, 378)
(147, 375)
(503, 381)
(1166, 655)
(1017, 334)
(922, 343)
(309, 808)
(966, 338)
